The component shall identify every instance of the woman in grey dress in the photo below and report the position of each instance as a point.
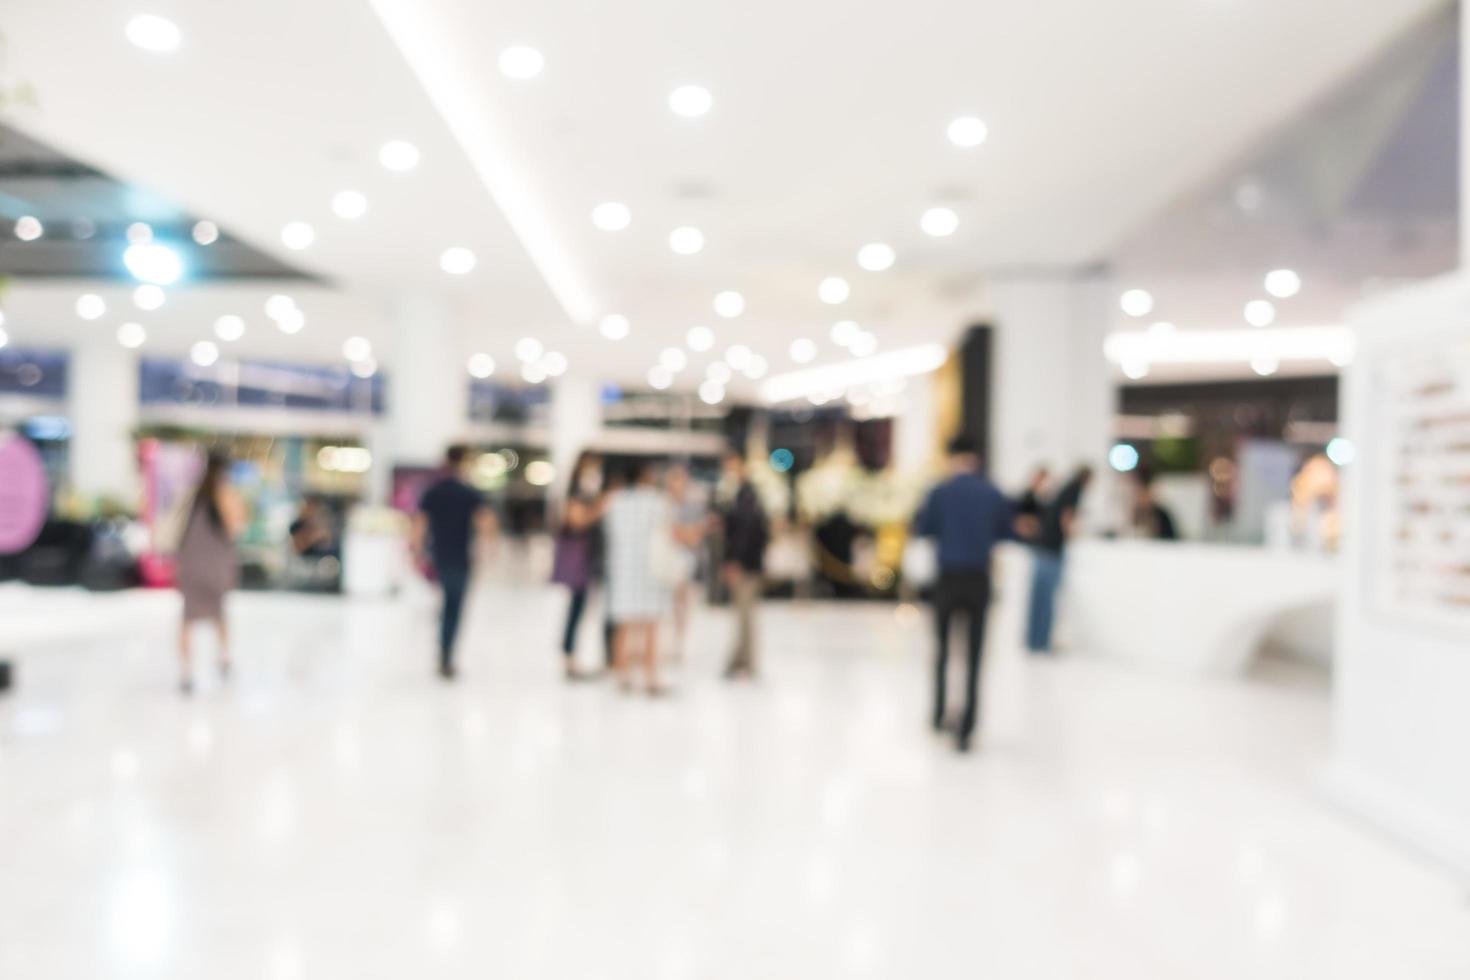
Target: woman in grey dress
(208, 567)
(640, 547)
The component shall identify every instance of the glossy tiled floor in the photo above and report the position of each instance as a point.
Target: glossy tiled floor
(338, 813)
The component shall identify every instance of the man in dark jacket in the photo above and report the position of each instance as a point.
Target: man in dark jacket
(746, 534)
(451, 514)
(967, 516)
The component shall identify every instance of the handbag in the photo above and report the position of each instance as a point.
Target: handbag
(571, 562)
(666, 558)
(920, 562)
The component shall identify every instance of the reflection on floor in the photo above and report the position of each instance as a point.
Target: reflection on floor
(337, 812)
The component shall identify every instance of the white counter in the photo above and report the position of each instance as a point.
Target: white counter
(1192, 607)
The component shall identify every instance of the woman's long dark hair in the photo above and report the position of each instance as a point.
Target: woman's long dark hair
(206, 498)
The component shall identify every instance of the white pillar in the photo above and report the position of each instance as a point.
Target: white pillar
(102, 400)
(428, 386)
(1053, 396)
(576, 424)
(915, 428)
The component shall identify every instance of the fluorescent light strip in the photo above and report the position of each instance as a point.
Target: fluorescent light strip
(830, 378)
(1231, 346)
(480, 135)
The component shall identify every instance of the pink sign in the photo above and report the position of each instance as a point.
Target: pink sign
(24, 494)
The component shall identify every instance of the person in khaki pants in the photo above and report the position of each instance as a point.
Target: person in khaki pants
(746, 535)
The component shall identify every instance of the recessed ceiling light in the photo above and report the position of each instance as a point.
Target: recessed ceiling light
(1265, 365)
(700, 339)
(291, 321)
(738, 356)
(614, 326)
(148, 297)
(968, 131)
(204, 353)
(83, 229)
(729, 304)
(673, 359)
(756, 368)
(131, 335)
(863, 345)
(1136, 302)
(1260, 313)
(153, 262)
(153, 33)
(1135, 369)
(686, 240)
(349, 204)
(399, 155)
(690, 101)
(843, 332)
(357, 348)
(529, 350)
(554, 363)
(206, 232)
(364, 368)
(481, 366)
(876, 257)
(1283, 283)
(457, 260)
(28, 228)
(660, 378)
(279, 305)
(719, 372)
(803, 350)
(229, 327)
(90, 306)
(140, 232)
(834, 290)
(939, 222)
(612, 216)
(297, 235)
(711, 392)
(533, 373)
(521, 62)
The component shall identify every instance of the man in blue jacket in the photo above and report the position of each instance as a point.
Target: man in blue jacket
(967, 516)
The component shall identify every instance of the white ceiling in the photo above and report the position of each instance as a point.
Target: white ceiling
(827, 132)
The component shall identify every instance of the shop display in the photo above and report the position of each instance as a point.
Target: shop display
(1419, 486)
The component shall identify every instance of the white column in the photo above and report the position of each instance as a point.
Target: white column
(1053, 398)
(428, 386)
(102, 400)
(915, 428)
(576, 423)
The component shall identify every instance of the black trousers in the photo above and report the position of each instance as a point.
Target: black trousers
(575, 607)
(455, 582)
(960, 593)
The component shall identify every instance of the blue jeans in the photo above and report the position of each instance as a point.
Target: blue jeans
(455, 581)
(1046, 580)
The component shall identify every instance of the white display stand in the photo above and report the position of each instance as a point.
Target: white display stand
(1401, 754)
(1194, 608)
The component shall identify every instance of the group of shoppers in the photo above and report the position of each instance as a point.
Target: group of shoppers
(967, 516)
(641, 535)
